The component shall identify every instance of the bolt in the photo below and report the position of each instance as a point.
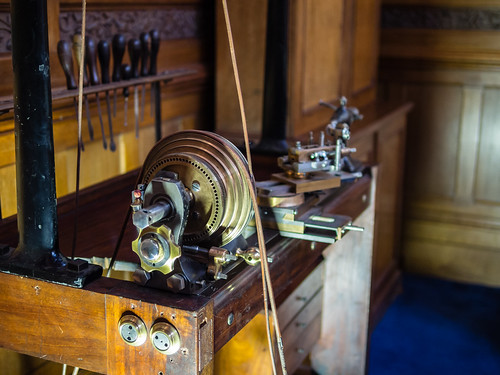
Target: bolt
(77, 265)
(141, 277)
(230, 319)
(176, 282)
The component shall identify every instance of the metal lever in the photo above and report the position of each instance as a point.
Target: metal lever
(251, 256)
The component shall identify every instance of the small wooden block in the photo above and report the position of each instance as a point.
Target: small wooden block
(316, 181)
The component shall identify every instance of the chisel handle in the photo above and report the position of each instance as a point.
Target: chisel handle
(155, 46)
(118, 47)
(91, 61)
(134, 52)
(126, 74)
(66, 60)
(145, 52)
(103, 53)
(77, 45)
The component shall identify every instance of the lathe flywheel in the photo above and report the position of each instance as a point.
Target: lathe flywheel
(190, 206)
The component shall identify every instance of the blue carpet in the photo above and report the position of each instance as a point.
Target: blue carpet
(438, 327)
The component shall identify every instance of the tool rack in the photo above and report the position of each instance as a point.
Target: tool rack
(7, 103)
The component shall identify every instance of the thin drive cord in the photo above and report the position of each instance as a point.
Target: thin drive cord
(80, 142)
(267, 286)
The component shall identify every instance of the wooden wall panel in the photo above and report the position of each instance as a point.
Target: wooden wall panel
(322, 39)
(249, 44)
(447, 64)
(333, 47)
(487, 187)
(365, 55)
(8, 203)
(433, 135)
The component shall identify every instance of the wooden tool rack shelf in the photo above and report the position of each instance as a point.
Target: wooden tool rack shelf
(7, 103)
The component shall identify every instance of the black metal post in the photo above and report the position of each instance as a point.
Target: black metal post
(37, 254)
(35, 171)
(274, 119)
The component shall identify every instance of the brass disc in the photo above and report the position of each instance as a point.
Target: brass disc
(213, 170)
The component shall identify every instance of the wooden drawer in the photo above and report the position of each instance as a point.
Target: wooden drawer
(300, 297)
(297, 352)
(302, 333)
(300, 317)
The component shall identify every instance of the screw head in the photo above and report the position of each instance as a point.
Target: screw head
(230, 319)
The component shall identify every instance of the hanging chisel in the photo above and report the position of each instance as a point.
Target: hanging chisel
(155, 87)
(103, 54)
(91, 62)
(145, 41)
(77, 45)
(66, 60)
(118, 47)
(126, 73)
(134, 52)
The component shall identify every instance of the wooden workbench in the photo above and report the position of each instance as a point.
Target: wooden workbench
(79, 326)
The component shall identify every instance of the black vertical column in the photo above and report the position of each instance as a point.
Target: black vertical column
(37, 254)
(35, 169)
(274, 119)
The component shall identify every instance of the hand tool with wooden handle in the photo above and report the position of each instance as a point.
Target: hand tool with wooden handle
(134, 52)
(66, 60)
(118, 47)
(103, 52)
(91, 62)
(125, 73)
(145, 51)
(77, 45)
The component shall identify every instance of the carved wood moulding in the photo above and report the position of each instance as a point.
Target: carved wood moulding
(5, 32)
(173, 23)
(422, 17)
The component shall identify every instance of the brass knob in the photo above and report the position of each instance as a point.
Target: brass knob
(132, 329)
